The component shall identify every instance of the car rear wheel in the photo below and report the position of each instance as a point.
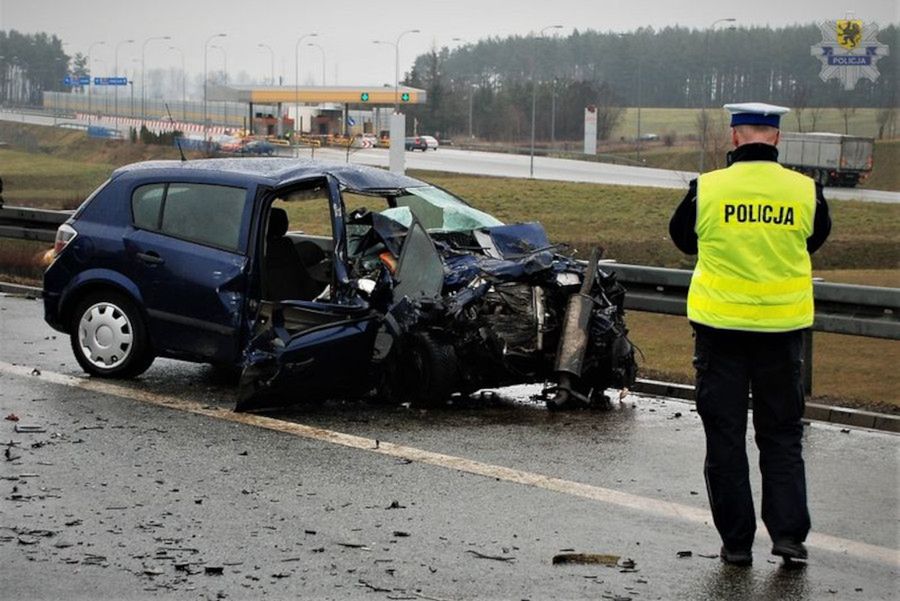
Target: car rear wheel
(109, 337)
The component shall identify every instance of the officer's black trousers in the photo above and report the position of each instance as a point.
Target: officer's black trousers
(729, 364)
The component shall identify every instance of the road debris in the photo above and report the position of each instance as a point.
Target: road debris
(684, 554)
(12, 417)
(603, 559)
(7, 452)
(29, 429)
(493, 557)
(372, 587)
(355, 546)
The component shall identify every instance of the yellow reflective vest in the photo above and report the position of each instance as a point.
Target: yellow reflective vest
(753, 270)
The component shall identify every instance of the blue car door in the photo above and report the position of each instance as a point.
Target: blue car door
(186, 252)
(308, 348)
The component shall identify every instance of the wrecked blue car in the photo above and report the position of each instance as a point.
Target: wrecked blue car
(318, 280)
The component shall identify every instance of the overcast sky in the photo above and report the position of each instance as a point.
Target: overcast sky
(346, 28)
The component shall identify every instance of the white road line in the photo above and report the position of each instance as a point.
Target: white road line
(647, 505)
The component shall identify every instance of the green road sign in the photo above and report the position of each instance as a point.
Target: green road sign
(404, 96)
(364, 96)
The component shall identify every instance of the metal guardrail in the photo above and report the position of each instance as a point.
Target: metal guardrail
(868, 311)
(23, 223)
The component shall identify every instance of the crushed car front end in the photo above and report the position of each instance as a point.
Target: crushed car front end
(481, 304)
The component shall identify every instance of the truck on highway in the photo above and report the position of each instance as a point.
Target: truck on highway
(830, 159)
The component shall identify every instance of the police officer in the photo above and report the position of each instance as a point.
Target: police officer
(753, 226)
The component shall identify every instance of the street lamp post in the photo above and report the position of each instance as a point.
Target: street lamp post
(105, 95)
(143, 72)
(639, 103)
(206, 82)
(553, 114)
(116, 74)
(534, 98)
(91, 77)
(472, 88)
(271, 62)
(183, 85)
(322, 50)
(224, 78)
(297, 77)
(705, 90)
(396, 46)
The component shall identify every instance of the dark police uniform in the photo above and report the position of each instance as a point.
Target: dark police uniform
(753, 225)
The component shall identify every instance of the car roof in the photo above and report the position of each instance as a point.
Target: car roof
(272, 172)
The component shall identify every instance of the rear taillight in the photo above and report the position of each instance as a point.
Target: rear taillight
(65, 234)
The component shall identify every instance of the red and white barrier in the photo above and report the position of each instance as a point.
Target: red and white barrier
(156, 125)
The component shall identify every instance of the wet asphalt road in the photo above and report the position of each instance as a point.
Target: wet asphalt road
(123, 499)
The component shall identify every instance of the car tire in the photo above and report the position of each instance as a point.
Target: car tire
(424, 372)
(109, 337)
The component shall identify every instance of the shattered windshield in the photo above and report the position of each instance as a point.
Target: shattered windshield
(438, 210)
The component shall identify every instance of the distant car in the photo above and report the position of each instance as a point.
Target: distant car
(649, 137)
(421, 297)
(258, 147)
(422, 143)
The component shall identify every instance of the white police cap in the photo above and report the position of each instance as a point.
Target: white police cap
(756, 113)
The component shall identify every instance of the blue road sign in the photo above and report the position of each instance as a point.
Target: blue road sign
(351, 120)
(71, 80)
(110, 81)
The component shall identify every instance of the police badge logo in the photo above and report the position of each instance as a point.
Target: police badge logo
(849, 33)
(849, 51)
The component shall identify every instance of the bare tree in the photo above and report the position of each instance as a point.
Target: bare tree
(887, 118)
(814, 114)
(719, 138)
(847, 110)
(703, 133)
(800, 100)
(715, 134)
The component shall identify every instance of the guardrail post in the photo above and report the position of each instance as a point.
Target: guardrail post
(807, 361)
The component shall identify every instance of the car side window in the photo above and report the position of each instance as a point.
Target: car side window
(146, 203)
(202, 213)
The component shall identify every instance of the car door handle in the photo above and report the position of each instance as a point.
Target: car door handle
(151, 258)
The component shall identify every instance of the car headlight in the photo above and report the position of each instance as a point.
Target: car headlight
(567, 278)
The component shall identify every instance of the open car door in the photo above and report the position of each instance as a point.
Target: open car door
(310, 350)
(305, 346)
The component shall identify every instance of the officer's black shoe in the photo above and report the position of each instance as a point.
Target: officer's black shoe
(736, 558)
(789, 550)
